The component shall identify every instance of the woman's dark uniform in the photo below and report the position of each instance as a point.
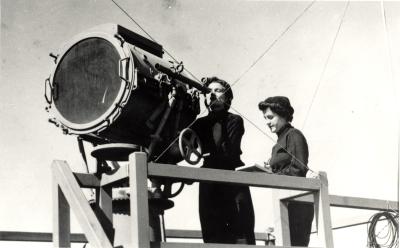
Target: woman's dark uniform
(226, 211)
(290, 157)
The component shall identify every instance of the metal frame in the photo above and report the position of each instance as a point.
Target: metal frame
(67, 194)
(124, 51)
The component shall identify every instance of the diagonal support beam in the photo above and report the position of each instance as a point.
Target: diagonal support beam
(93, 230)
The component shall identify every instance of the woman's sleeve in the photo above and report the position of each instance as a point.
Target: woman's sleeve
(298, 149)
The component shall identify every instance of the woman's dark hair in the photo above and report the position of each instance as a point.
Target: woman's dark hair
(279, 105)
(228, 91)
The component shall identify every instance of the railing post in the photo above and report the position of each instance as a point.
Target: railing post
(284, 216)
(323, 212)
(61, 218)
(281, 218)
(140, 235)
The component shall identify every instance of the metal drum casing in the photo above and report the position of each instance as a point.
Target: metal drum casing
(106, 87)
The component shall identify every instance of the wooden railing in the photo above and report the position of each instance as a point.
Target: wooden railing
(67, 193)
(80, 237)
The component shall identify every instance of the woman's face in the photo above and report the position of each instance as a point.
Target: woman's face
(216, 99)
(274, 121)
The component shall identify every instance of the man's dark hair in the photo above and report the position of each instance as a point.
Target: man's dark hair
(279, 105)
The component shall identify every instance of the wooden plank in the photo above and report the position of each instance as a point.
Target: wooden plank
(105, 195)
(200, 245)
(350, 202)
(80, 238)
(196, 234)
(255, 179)
(105, 216)
(140, 234)
(84, 214)
(363, 203)
(284, 217)
(61, 218)
(323, 213)
(38, 237)
(86, 180)
(183, 234)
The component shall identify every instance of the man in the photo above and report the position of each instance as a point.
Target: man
(226, 211)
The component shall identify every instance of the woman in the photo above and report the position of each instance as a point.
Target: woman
(226, 211)
(289, 157)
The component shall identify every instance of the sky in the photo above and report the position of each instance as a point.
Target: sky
(343, 84)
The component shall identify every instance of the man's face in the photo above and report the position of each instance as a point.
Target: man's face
(274, 121)
(216, 99)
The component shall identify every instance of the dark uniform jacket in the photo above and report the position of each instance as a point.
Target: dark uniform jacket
(226, 211)
(227, 155)
(290, 153)
(290, 157)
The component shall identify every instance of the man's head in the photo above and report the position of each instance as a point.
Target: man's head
(221, 95)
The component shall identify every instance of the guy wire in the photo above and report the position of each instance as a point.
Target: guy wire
(395, 91)
(246, 71)
(325, 66)
(130, 17)
(272, 44)
(236, 81)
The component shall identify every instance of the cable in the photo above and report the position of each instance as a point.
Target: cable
(388, 45)
(325, 66)
(169, 54)
(276, 143)
(247, 70)
(390, 239)
(130, 17)
(273, 43)
(236, 81)
(389, 53)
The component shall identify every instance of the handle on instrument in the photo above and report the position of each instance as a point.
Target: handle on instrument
(55, 57)
(47, 85)
(119, 37)
(124, 69)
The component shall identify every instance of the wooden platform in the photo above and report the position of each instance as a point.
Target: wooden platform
(67, 194)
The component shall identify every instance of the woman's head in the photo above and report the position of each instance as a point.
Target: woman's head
(277, 111)
(221, 95)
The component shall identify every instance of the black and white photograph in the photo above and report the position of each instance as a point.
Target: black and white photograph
(200, 124)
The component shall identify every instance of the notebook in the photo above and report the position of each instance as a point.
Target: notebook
(254, 168)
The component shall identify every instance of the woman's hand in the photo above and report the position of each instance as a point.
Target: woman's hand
(312, 174)
(267, 167)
